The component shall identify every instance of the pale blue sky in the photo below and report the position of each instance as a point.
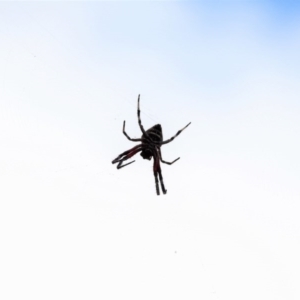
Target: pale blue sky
(73, 226)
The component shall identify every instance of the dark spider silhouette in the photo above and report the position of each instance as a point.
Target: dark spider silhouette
(152, 140)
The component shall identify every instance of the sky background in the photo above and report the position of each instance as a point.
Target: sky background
(72, 226)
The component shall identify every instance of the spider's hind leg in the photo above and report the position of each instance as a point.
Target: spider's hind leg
(166, 162)
(173, 137)
(139, 118)
(130, 139)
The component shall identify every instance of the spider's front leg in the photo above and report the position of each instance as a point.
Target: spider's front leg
(157, 171)
(156, 183)
(126, 155)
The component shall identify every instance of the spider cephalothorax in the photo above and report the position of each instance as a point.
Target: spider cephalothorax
(151, 141)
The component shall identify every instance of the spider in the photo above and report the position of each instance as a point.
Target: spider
(151, 141)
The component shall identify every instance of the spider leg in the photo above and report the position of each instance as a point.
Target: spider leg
(157, 171)
(161, 181)
(119, 166)
(166, 162)
(139, 119)
(133, 140)
(126, 155)
(173, 137)
(156, 183)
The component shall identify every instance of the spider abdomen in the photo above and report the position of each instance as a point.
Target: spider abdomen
(155, 133)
